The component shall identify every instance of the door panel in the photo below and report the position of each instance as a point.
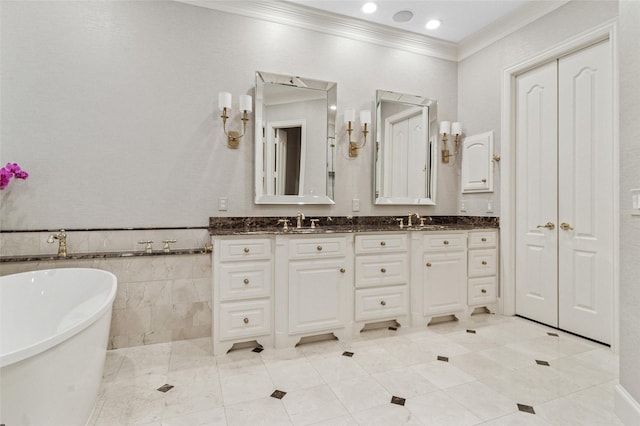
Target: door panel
(586, 193)
(536, 199)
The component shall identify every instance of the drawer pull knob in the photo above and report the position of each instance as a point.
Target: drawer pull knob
(484, 240)
(483, 291)
(428, 264)
(246, 320)
(246, 250)
(246, 280)
(342, 270)
(382, 243)
(319, 248)
(383, 270)
(446, 242)
(383, 303)
(484, 262)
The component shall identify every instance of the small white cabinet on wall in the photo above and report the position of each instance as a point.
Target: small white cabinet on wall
(314, 287)
(477, 163)
(242, 289)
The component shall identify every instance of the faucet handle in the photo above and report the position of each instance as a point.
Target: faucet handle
(422, 221)
(401, 222)
(166, 246)
(285, 222)
(147, 248)
(313, 223)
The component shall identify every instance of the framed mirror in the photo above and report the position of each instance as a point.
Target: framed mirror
(294, 139)
(405, 155)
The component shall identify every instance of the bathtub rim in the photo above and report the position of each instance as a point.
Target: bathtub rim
(43, 345)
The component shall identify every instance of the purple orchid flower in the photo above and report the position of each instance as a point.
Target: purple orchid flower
(11, 170)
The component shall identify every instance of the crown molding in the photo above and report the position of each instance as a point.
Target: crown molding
(506, 25)
(313, 19)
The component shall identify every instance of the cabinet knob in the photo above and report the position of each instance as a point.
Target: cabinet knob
(319, 248)
(382, 243)
(342, 270)
(428, 264)
(484, 181)
(246, 250)
(246, 320)
(446, 242)
(483, 291)
(246, 280)
(383, 303)
(383, 270)
(484, 240)
(484, 262)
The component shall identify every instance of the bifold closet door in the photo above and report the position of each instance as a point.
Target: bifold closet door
(585, 188)
(564, 193)
(536, 197)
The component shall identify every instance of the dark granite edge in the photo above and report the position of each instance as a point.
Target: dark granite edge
(100, 255)
(345, 224)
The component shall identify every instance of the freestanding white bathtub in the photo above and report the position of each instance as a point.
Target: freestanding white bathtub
(54, 332)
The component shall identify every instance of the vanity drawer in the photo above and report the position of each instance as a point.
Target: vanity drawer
(381, 270)
(245, 280)
(311, 248)
(380, 303)
(481, 291)
(482, 239)
(482, 262)
(244, 249)
(381, 243)
(244, 319)
(440, 242)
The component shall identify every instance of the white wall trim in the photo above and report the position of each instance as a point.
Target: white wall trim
(606, 30)
(505, 26)
(625, 407)
(329, 23)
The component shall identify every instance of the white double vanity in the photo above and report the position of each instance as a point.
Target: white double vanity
(276, 288)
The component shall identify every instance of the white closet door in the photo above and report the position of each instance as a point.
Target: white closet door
(536, 195)
(585, 189)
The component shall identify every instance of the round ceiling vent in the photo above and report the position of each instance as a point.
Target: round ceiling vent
(403, 16)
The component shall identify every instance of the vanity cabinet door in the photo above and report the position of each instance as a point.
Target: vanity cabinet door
(317, 295)
(444, 282)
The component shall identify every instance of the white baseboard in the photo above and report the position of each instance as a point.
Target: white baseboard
(626, 408)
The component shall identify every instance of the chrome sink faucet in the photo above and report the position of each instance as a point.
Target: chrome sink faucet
(299, 220)
(410, 216)
(62, 238)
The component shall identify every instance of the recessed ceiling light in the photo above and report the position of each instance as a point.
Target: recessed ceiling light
(369, 7)
(433, 24)
(403, 16)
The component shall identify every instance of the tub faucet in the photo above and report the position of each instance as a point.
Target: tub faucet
(62, 238)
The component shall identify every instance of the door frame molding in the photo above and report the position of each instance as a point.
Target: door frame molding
(605, 31)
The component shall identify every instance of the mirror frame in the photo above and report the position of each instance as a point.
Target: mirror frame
(431, 106)
(331, 89)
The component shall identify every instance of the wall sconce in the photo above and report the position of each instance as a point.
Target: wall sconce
(365, 120)
(224, 103)
(446, 127)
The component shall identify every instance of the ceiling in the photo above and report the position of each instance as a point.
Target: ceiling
(460, 18)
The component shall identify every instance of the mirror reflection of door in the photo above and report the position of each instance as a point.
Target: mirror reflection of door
(284, 156)
(405, 154)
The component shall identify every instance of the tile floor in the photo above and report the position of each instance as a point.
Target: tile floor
(489, 370)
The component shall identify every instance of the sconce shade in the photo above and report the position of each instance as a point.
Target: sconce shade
(349, 115)
(224, 100)
(445, 127)
(456, 128)
(245, 103)
(365, 116)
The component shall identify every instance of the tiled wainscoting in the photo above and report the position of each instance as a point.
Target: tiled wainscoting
(160, 298)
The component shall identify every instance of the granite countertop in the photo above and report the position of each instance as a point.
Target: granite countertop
(344, 224)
